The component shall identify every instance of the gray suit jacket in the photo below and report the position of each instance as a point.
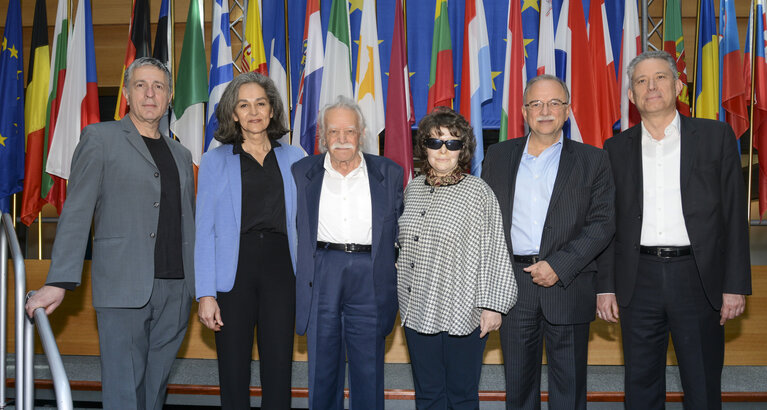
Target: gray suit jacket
(579, 224)
(115, 183)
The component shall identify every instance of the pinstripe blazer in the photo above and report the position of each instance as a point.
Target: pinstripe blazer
(580, 223)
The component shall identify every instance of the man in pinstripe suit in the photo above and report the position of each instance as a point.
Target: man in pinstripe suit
(556, 196)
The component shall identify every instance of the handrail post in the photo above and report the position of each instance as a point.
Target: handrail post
(20, 282)
(3, 311)
(29, 366)
(58, 373)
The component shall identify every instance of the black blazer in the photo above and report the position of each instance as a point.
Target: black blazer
(579, 224)
(713, 204)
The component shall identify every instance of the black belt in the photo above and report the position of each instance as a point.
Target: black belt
(530, 259)
(346, 247)
(665, 251)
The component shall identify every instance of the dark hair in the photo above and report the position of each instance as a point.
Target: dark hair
(457, 126)
(143, 62)
(228, 131)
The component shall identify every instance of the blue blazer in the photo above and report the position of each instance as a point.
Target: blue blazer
(219, 212)
(386, 196)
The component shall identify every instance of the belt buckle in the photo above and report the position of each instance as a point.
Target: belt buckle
(536, 259)
(348, 247)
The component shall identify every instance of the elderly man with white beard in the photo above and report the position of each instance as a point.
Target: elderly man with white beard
(346, 281)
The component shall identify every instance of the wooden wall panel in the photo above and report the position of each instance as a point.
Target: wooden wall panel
(74, 324)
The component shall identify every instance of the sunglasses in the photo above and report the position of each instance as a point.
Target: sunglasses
(452, 145)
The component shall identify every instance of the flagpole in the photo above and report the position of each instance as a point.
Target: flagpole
(694, 98)
(13, 210)
(289, 108)
(751, 119)
(40, 235)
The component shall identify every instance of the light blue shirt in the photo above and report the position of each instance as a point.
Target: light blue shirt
(532, 193)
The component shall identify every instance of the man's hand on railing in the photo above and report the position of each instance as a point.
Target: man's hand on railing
(48, 297)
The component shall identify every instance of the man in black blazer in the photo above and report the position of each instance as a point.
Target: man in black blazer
(679, 262)
(556, 197)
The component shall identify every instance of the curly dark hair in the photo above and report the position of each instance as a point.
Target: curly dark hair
(228, 131)
(455, 123)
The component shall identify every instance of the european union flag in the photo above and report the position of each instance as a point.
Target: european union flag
(12, 113)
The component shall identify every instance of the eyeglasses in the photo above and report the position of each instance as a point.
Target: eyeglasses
(347, 132)
(452, 145)
(554, 105)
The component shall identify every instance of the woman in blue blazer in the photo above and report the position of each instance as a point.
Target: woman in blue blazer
(245, 250)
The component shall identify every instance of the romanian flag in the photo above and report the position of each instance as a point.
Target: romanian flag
(138, 46)
(514, 76)
(441, 83)
(733, 89)
(253, 53)
(707, 63)
(34, 112)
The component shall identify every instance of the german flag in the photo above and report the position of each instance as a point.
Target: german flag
(139, 40)
(34, 112)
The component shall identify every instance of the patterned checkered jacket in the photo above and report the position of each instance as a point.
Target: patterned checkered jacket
(453, 260)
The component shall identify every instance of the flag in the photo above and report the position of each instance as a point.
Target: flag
(274, 40)
(337, 77)
(34, 113)
(54, 188)
(606, 92)
(368, 91)
(12, 114)
(191, 94)
(441, 87)
(400, 115)
(572, 40)
(747, 54)
(707, 64)
(732, 89)
(530, 16)
(79, 99)
(221, 67)
(514, 76)
(673, 43)
(253, 54)
(305, 122)
(476, 82)
(632, 43)
(546, 39)
(760, 102)
(138, 46)
(163, 51)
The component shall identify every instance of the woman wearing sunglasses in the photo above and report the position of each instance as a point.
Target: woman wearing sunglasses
(454, 273)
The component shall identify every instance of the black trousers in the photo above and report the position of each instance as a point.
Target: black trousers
(446, 369)
(669, 297)
(263, 296)
(523, 332)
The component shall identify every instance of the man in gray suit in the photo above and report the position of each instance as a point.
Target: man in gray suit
(138, 188)
(556, 198)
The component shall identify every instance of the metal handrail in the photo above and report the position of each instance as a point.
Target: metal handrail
(51, 349)
(25, 344)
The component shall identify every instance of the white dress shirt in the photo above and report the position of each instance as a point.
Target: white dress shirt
(662, 217)
(346, 213)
